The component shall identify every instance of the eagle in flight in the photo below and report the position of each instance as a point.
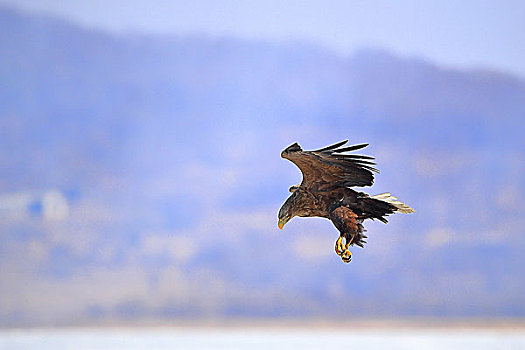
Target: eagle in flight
(328, 175)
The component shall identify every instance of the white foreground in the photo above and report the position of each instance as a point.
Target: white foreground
(260, 338)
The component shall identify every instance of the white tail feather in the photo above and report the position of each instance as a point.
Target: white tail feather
(387, 197)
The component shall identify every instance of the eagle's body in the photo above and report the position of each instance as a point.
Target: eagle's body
(325, 192)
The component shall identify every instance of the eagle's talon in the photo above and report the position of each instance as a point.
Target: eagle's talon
(339, 246)
(346, 256)
(346, 260)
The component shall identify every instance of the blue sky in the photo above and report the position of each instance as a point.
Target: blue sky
(455, 33)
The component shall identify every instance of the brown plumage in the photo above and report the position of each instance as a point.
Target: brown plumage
(325, 192)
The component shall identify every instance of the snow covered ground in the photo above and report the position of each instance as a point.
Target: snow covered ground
(261, 338)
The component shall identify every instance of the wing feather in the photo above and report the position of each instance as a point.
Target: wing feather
(351, 148)
(327, 168)
(331, 147)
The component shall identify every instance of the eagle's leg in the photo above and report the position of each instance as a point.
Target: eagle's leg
(339, 246)
(346, 255)
(348, 225)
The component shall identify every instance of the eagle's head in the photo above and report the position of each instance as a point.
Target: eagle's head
(287, 211)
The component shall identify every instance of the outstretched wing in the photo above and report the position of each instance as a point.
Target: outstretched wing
(328, 168)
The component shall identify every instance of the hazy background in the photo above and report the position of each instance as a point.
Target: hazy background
(140, 174)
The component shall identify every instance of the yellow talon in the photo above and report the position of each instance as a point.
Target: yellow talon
(339, 246)
(346, 256)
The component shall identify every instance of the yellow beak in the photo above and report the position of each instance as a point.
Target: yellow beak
(281, 224)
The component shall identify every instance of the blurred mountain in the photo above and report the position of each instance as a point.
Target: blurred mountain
(141, 178)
